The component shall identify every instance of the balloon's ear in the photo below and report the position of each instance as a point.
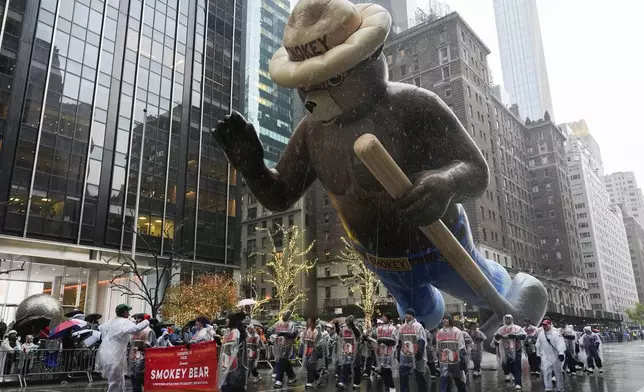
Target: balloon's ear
(377, 53)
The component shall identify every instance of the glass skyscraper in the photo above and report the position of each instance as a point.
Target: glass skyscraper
(75, 79)
(268, 106)
(523, 61)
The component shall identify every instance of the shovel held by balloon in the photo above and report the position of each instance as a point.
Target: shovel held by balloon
(372, 153)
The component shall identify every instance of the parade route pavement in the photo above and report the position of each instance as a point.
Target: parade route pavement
(623, 372)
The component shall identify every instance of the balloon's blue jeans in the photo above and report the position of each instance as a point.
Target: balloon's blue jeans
(414, 280)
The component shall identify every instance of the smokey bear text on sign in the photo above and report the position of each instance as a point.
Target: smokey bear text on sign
(345, 90)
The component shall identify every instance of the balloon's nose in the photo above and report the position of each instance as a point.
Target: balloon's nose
(310, 105)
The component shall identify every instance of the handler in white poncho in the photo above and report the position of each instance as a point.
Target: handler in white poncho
(111, 357)
(551, 349)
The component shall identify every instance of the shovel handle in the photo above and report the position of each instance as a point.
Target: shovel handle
(372, 153)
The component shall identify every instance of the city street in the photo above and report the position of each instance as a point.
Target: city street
(622, 373)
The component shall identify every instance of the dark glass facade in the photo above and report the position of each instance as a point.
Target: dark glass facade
(268, 106)
(75, 79)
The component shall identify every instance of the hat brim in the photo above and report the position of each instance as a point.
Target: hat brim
(372, 34)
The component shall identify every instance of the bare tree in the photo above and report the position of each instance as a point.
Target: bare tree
(11, 269)
(162, 269)
(360, 279)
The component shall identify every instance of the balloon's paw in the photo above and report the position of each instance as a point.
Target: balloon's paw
(530, 299)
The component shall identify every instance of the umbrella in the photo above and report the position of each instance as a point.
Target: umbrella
(190, 324)
(73, 313)
(324, 324)
(65, 326)
(31, 325)
(246, 302)
(165, 324)
(253, 322)
(88, 336)
(93, 317)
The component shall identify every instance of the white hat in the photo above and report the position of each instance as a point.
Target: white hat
(324, 38)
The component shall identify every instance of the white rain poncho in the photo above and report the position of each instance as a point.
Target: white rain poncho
(412, 340)
(286, 334)
(549, 351)
(254, 344)
(570, 338)
(589, 343)
(550, 345)
(111, 359)
(450, 345)
(312, 348)
(232, 361)
(386, 338)
(509, 343)
(348, 346)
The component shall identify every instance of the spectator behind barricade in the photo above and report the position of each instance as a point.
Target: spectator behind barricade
(3, 329)
(205, 332)
(164, 339)
(9, 351)
(29, 344)
(186, 335)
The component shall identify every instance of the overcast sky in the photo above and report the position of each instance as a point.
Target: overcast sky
(595, 65)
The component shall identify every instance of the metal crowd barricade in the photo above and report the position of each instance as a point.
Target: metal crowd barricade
(266, 356)
(47, 364)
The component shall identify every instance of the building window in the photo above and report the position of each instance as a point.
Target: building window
(325, 200)
(326, 217)
(250, 198)
(471, 111)
(250, 229)
(443, 54)
(448, 93)
(327, 292)
(327, 272)
(273, 292)
(391, 74)
(390, 59)
(544, 159)
(558, 254)
(535, 188)
(415, 65)
(531, 163)
(469, 92)
(327, 236)
(445, 72)
(401, 51)
(551, 200)
(251, 213)
(263, 292)
(403, 70)
(291, 220)
(417, 81)
(465, 56)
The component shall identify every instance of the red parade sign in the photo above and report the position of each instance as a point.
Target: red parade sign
(180, 368)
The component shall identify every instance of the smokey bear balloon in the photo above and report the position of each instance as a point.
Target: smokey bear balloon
(332, 55)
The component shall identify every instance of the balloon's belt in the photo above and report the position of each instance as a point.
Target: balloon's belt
(406, 263)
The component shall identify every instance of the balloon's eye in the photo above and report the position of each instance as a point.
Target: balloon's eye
(336, 80)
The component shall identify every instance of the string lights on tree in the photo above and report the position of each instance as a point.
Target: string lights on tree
(285, 264)
(359, 280)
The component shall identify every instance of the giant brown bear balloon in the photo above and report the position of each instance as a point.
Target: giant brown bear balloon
(333, 55)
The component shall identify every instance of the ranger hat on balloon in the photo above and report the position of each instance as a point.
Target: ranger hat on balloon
(324, 38)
